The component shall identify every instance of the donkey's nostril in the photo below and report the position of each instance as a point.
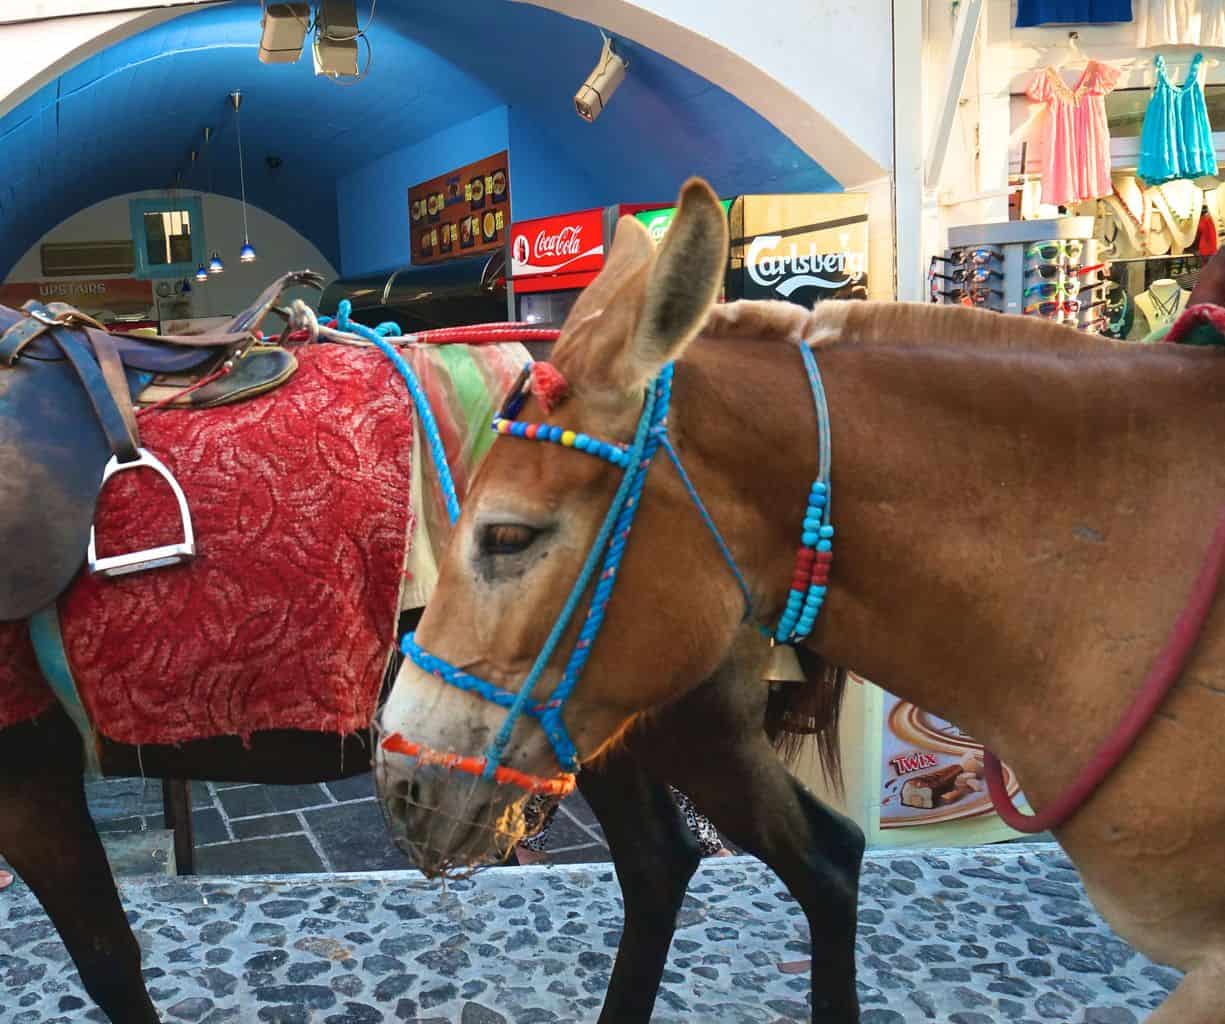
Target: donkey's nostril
(414, 793)
(401, 788)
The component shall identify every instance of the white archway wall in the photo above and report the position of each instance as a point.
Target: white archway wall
(822, 73)
(280, 249)
(33, 55)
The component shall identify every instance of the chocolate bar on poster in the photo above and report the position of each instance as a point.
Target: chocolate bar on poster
(923, 791)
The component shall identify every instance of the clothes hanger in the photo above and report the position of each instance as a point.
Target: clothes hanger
(1071, 55)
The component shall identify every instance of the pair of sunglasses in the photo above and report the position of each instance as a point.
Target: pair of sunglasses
(970, 273)
(1070, 307)
(1047, 271)
(978, 297)
(1068, 249)
(1069, 287)
(977, 255)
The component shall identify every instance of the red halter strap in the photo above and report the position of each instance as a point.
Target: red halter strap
(1161, 678)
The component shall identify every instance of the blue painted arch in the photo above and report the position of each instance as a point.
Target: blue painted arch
(125, 120)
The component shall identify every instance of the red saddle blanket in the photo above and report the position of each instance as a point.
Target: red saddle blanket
(286, 618)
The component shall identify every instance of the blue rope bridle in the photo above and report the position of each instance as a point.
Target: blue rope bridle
(604, 560)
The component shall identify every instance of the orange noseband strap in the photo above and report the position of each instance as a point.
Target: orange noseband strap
(559, 786)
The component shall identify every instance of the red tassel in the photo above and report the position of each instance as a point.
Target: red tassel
(548, 385)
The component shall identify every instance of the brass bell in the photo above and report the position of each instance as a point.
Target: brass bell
(783, 665)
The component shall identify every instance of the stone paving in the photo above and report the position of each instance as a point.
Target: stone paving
(333, 826)
(977, 936)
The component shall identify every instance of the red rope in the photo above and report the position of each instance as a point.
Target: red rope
(207, 379)
(469, 334)
(1161, 678)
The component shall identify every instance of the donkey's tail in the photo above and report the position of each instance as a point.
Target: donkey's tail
(797, 712)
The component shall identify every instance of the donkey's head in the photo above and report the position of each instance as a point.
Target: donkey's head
(531, 518)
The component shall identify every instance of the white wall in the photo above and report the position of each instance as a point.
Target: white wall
(280, 249)
(33, 56)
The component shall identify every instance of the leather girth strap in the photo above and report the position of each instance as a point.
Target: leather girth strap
(95, 361)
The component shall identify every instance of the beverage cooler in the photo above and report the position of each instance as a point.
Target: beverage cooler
(800, 248)
(552, 259)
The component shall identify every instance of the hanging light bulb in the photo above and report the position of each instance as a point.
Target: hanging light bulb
(247, 255)
(201, 274)
(215, 266)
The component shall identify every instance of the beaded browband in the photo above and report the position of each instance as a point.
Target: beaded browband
(804, 600)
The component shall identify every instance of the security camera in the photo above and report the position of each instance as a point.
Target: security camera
(601, 83)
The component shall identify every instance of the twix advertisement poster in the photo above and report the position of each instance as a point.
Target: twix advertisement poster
(931, 772)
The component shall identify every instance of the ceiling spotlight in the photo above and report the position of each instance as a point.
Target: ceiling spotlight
(215, 266)
(201, 273)
(336, 36)
(601, 83)
(247, 253)
(285, 27)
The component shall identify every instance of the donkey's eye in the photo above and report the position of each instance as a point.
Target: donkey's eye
(507, 538)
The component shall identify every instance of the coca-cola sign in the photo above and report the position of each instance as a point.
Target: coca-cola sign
(571, 244)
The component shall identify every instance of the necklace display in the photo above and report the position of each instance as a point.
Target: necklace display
(1178, 203)
(1182, 220)
(1165, 310)
(1140, 228)
(1158, 310)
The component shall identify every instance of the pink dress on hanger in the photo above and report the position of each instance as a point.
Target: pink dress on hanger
(1073, 134)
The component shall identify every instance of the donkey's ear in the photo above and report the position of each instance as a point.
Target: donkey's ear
(684, 282)
(631, 250)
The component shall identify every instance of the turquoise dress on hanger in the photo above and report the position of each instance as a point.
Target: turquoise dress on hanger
(1176, 139)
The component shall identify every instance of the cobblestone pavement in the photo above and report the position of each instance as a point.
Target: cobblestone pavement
(977, 936)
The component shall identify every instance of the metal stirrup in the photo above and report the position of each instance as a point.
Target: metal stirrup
(152, 558)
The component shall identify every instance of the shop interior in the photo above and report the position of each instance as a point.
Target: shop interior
(1113, 192)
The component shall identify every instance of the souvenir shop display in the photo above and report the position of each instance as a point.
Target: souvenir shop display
(1161, 303)
(1041, 268)
(1176, 138)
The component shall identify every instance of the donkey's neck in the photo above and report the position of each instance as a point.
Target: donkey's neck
(990, 508)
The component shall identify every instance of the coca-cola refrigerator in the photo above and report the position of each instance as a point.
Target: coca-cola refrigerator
(552, 259)
(802, 248)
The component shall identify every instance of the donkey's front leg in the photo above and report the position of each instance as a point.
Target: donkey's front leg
(46, 833)
(654, 855)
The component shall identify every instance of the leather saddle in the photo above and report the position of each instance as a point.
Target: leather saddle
(67, 425)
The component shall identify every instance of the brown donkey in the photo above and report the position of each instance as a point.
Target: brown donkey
(1020, 512)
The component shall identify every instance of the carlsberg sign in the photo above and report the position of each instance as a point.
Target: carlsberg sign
(785, 271)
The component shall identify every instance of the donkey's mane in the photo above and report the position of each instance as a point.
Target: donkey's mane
(901, 323)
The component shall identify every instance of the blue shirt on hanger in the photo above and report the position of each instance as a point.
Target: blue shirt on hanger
(1071, 12)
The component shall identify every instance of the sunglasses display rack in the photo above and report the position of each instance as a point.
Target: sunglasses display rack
(1046, 268)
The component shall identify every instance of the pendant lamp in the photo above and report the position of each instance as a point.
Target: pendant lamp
(215, 266)
(247, 253)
